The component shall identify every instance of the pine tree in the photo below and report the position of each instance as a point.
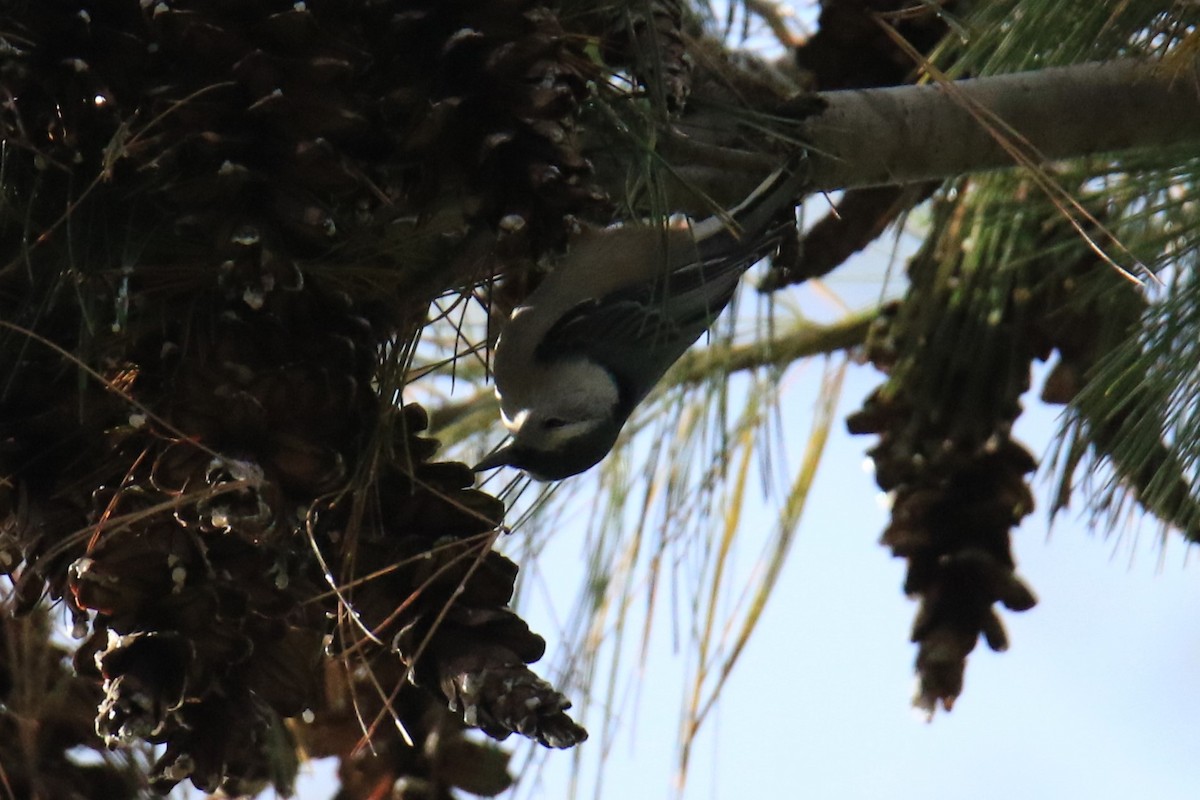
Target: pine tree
(233, 232)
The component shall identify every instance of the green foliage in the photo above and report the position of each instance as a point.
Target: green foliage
(1001, 36)
(1120, 237)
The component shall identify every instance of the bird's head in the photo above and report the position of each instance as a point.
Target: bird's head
(550, 448)
(568, 427)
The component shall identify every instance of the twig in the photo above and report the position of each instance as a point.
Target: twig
(776, 15)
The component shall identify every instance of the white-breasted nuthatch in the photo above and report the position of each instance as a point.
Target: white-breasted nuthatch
(585, 347)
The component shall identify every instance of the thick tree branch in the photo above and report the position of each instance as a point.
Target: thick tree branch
(909, 134)
(896, 135)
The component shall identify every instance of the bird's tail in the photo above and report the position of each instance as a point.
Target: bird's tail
(752, 228)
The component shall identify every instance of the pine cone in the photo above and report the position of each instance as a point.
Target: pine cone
(956, 477)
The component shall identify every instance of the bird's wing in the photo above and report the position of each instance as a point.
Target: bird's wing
(638, 332)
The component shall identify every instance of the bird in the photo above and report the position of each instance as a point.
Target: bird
(578, 355)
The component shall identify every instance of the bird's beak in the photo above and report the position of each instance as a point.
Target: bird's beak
(498, 458)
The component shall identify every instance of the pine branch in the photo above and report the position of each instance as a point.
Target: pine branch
(914, 133)
(696, 366)
(910, 134)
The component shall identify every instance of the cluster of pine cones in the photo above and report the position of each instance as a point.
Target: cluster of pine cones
(220, 221)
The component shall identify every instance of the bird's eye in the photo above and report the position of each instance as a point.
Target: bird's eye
(554, 422)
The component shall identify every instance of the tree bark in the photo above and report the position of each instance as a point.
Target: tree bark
(896, 135)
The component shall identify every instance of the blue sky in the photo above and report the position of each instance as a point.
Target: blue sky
(1095, 698)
